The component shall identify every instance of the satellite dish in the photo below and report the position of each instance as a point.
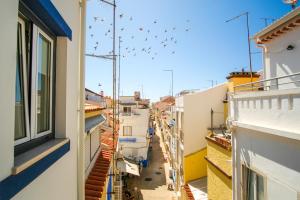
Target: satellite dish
(291, 2)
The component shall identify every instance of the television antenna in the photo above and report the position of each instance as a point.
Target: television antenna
(293, 3)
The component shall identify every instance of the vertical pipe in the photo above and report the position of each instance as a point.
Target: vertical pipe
(172, 84)
(119, 78)
(80, 142)
(249, 46)
(211, 119)
(114, 92)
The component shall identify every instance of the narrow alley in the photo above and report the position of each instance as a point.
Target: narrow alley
(153, 182)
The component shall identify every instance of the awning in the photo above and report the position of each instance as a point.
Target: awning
(128, 167)
(47, 12)
(91, 123)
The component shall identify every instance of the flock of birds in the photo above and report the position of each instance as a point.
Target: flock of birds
(148, 40)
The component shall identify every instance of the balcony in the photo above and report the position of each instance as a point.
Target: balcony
(271, 106)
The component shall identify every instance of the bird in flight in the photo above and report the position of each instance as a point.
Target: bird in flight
(121, 15)
(96, 18)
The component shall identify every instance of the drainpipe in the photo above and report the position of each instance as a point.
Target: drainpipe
(265, 50)
(263, 57)
(80, 142)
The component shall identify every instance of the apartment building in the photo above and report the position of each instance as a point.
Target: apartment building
(133, 134)
(42, 94)
(264, 118)
(193, 118)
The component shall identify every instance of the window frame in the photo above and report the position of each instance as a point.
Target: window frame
(26, 14)
(244, 193)
(34, 80)
(124, 130)
(24, 82)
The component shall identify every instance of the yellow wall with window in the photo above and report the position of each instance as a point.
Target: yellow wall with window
(195, 165)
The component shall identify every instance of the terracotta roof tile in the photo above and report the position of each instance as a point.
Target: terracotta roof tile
(95, 182)
(188, 192)
(97, 177)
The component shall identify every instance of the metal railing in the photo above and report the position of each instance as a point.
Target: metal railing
(269, 84)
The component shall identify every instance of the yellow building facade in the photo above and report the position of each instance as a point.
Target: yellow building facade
(195, 165)
(219, 170)
(219, 155)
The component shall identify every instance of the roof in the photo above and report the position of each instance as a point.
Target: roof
(95, 182)
(242, 74)
(89, 107)
(95, 93)
(199, 188)
(280, 27)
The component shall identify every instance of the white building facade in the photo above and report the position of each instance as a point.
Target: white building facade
(265, 121)
(133, 133)
(42, 94)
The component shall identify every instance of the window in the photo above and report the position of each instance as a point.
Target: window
(253, 185)
(34, 82)
(127, 130)
(127, 109)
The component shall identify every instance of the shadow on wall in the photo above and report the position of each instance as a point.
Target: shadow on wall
(283, 151)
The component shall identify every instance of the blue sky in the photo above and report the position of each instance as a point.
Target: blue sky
(209, 50)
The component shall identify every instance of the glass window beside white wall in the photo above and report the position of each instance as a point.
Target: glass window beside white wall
(34, 82)
(253, 185)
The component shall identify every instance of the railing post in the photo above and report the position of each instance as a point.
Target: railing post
(276, 83)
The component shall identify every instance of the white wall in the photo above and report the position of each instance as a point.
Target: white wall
(138, 122)
(276, 158)
(138, 149)
(8, 40)
(279, 61)
(197, 108)
(60, 180)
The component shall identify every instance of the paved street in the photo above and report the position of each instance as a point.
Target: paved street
(157, 170)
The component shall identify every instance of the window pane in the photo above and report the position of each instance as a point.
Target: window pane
(251, 181)
(127, 131)
(20, 126)
(260, 187)
(43, 84)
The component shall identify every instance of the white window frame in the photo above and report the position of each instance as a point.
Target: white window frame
(36, 32)
(25, 89)
(257, 172)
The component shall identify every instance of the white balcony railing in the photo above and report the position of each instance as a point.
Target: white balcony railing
(281, 82)
(271, 105)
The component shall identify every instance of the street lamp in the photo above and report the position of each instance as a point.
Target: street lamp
(248, 35)
(172, 78)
